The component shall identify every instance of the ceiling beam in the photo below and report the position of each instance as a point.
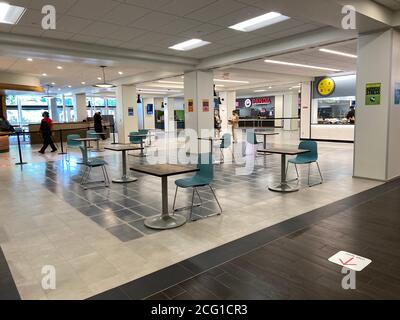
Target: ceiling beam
(294, 43)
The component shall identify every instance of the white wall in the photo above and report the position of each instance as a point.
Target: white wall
(80, 107)
(279, 110)
(148, 119)
(126, 98)
(290, 110)
(305, 121)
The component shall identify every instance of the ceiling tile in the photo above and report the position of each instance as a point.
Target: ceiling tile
(154, 4)
(109, 42)
(60, 5)
(153, 20)
(125, 14)
(57, 34)
(72, 24)
(183, 7)
(92, 9)
(279, 27)
(27, 30)
(99, 29)
(222, 34)
(126, 33)
(201, 30)
(215, 10)
(237, 16)
(31, 18)
(150, 38)
(83, 38)
(177, 26)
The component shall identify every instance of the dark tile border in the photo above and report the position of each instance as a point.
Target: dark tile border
(8, 289)
(163, 279)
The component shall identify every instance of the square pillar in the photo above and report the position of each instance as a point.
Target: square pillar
(377, 130)
(127, 113)
(80, 107)
(305, 124)
(290, 110)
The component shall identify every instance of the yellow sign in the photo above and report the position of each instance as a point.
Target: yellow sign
(190, 105)
(326, 86)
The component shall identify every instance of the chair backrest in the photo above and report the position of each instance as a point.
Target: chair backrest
(133, 139)
(226, 141)
(206, 167)
(91, 134)
(143, 131)
(251, 137)
(312, 146)
(71, 143)
(83, 153)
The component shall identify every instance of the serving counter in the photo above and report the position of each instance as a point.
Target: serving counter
(4, 142)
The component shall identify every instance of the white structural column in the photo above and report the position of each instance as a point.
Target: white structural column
(290, 110)
(126, 104)
(53, 109)
(228, 99)
(199, 117)
(149, 122)
(279, 110)
(169, 114)
(80, 107)
(377, 132)
(305, 125)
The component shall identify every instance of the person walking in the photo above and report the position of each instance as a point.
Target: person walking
(98, 124)
(45, 129)
(235, 124)
(217, 123)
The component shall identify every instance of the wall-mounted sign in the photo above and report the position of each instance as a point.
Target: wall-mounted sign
(130, 112)
(190, 105)
(373, 94)
(326, 86)
(247, 103)
(206, 105)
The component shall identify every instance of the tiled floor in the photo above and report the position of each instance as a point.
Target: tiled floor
(96, 238)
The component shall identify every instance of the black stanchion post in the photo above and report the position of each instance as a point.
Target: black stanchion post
(20, 163)
(62, 143)
(113, 133)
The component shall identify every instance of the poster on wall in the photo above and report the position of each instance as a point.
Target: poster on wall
(190, 105)
(397, 93)
(373, 94)
(130, 112)
(150, 109)
(206, 105)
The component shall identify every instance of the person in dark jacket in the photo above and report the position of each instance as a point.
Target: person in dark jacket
(45, 129)
(98, 124)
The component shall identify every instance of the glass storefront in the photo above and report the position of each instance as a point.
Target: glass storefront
(332, 110)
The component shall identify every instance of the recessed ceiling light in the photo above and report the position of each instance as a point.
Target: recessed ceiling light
(53, 83)
(83, 82)
(189, 45)
(261, 90)
(29, 59)
(69, 86)
(299, 65)
(59, 67)
(259, 22)
(231, 81)
(339, 53)
(44, 74)
(10, 14)
(98, 78)
(120, 73)
(269, 87)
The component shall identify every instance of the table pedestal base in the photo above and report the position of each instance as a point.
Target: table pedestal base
(165, 222)
(125, 179)
(284, 187)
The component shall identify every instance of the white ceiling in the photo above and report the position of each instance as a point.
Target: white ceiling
(154, 25)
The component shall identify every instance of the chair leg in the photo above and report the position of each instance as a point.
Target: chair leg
(216, 199)
(319, 170)
(191, 207)
(309, 168)
(297, 171)
(108, 177)
(198, 194)
(83, 175)
(287, 169)
(176, 193)
(222, 156)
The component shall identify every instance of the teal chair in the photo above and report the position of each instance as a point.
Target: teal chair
(93, 163)
(203, 178)
(226, 142)
(133, 139)
(307, 158)
(251, 137)
(144, 131)
(91, 134)
(71, 144)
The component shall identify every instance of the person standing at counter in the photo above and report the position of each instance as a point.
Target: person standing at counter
(235, 124)
(351, 116)
(5, 125)
(45, 129)
(98, 124)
